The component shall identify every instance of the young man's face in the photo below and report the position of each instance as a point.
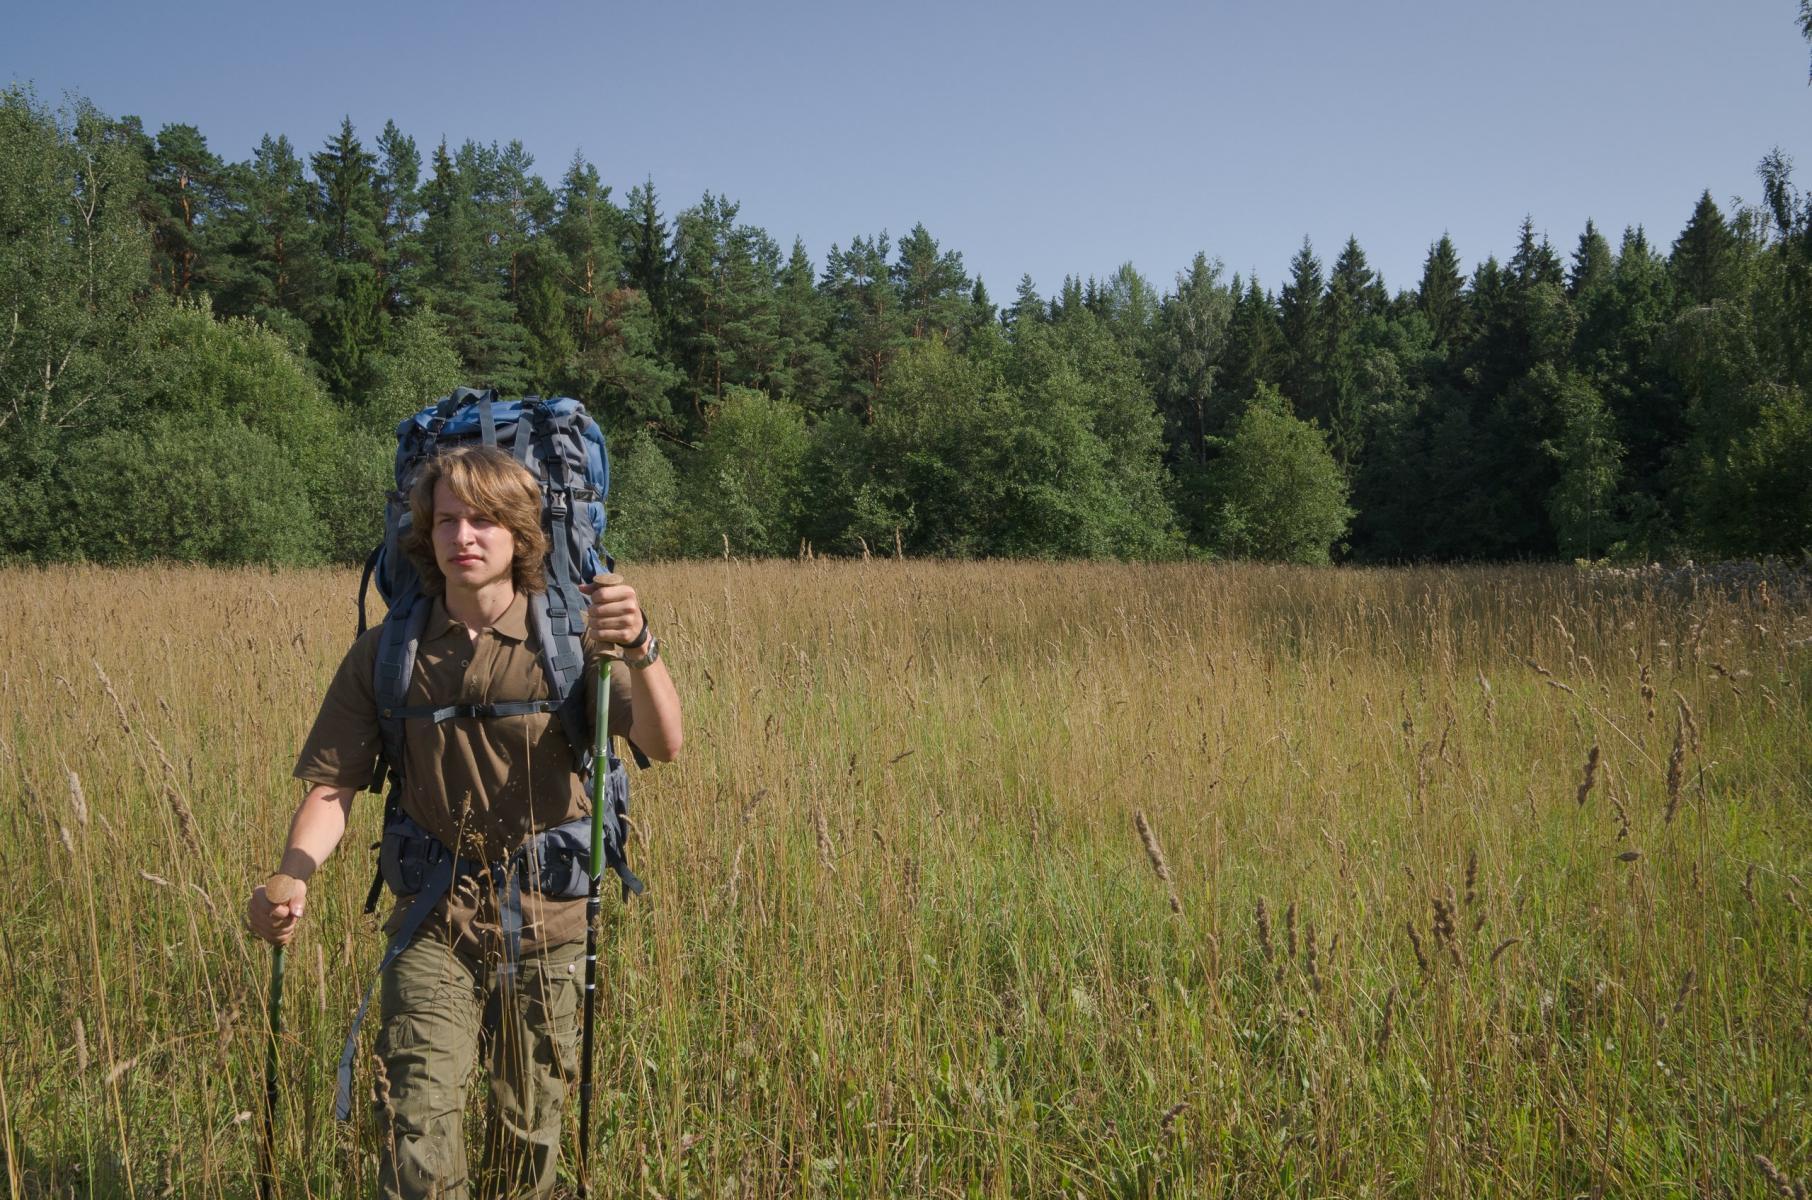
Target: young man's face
(473, 550)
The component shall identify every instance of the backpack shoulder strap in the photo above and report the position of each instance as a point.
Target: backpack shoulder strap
(397, 645)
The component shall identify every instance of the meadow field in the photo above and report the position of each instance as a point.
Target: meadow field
(990, 880)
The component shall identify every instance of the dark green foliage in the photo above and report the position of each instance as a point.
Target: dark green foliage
(1442, 294)
(725, 325)
(1592, 261)
(282, 316)
(1705, 264)
(1304, 347)
(1583, 502)
(868, 321)
(349, 322)
(185, 200)
(267, 262)
(184, 488)
(934, 289)
(1756, 498)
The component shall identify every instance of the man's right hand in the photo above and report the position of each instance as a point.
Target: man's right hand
(275, 908)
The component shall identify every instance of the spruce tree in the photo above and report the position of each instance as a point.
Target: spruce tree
(1592, 261)
(1441, 294)
(397, 182)
(349, 324)
(1254, 353)
(1705, 263)
(806, 370)
(1028, 306)
(645, 251)
(1300, 321)
(463, 275)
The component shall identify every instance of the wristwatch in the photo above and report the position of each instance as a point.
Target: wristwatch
(650, 655)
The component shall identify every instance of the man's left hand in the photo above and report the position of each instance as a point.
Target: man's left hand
(614, 616)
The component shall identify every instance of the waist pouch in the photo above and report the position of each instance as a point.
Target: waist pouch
(555, 863)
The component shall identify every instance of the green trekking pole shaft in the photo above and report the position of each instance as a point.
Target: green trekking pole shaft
(280, 890)
(275, 1017)
(600, 796)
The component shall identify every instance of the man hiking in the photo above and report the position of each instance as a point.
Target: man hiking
(495, 969)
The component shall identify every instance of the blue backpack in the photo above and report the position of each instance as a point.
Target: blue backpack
(564, 449)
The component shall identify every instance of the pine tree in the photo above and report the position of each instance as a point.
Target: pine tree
(1352, 323)
(267, 262)
(981, 314)
(646, 250)
(188, 199)
(587, 230)
(932, 285)
(722, 289)
(463, 271)
(868, 325)
(346, 201)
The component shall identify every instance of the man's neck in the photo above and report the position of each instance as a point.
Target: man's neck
(478, 608)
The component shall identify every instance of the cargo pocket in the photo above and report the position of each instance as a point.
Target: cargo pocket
(427, 1042)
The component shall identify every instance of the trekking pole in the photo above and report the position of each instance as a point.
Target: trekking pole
(279, 889)
(600, 796)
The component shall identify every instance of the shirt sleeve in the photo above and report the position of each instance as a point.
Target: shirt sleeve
(342, 748)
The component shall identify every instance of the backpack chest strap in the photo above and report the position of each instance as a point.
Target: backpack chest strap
(507, 708)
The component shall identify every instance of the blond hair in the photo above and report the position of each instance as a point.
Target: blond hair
(493, 482)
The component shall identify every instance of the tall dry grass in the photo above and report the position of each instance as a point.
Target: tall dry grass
(991, 880)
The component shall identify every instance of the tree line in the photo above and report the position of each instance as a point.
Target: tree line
(205, 360)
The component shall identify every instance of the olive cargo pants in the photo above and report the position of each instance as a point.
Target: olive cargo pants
(441, 1011)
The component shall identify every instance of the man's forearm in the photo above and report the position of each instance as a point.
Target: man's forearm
(656, 727)
(318, 826)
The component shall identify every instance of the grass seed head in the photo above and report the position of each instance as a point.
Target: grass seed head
(1153, 851)
(1415, 944)
(1386, 1026)
(827, 853)
(78, 802)
(1591, 773)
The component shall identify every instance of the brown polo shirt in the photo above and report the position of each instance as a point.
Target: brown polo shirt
(483, 785)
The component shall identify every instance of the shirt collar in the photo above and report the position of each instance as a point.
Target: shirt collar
(513, 624)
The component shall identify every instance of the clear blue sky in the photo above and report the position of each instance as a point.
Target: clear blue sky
(1047, 138)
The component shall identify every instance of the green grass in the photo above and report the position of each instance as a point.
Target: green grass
(902, 936)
